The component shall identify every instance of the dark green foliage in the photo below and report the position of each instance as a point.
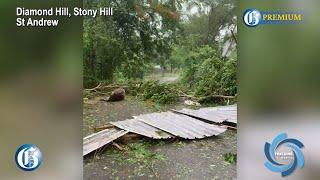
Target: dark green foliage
(140, 153)
(230, 158)
(122, 49)
(229, 77)
(130, 40)
(209, 74)
(90, 81)
(133, 87)
(159, 93)
(214, 15)
(178, 54)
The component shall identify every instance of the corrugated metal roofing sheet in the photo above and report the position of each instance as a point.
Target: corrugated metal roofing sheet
(225, 108)
(166, 125)
(139, 127)
(99, 139)
(214, 114)
(181, 125)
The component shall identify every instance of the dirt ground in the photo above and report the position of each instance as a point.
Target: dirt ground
(151, 159)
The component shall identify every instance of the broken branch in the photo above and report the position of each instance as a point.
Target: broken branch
(100, 128)
(92, 89)
(117, 146)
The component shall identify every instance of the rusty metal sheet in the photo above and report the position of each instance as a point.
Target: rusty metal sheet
(101, 138)
(181, 125)
(139, 127)
(214, 114)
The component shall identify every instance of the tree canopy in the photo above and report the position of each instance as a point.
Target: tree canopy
(137, 34)
(188, 36)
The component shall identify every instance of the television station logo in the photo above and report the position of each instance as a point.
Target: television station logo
(253, 17)
(284, 155)
(28, 157)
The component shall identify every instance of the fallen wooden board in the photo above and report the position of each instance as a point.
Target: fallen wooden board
(103, 127)
(139, 127)
(181, 125)
(99, 139)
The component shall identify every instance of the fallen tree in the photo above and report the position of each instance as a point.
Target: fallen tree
(158, 92)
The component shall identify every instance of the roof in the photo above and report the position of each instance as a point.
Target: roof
(139, 127)
(181, 125)
(214, 114)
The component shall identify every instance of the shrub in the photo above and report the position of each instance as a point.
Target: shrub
(159, 93)
(90, 81)
(207, 73)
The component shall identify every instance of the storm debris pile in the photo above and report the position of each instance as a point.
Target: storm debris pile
(186, 124)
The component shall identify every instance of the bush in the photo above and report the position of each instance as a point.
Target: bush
(159, 93)
(90, 81)
(229, 77)
(207, 73)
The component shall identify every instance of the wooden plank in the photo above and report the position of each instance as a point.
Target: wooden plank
(99, 139)
(103, 127)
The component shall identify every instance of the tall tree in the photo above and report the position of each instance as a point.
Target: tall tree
(137, 33)
(220, 14)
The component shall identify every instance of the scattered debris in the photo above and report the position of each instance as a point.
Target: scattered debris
(117, 146)
(90, 101)
(191, 103)
(104, 99)
(92, 89)
(184, 124)
(216, 98)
